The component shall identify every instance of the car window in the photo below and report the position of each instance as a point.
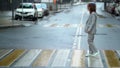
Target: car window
(25, 6)
(38, 6)
(44, 6)
(41, 5)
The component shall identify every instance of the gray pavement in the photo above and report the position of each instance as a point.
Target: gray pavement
(59, 31)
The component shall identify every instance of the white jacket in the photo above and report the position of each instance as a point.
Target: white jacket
(90, 26)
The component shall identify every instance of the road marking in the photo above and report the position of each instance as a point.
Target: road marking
(28, 58)
(79, 26)
(61, 58)
(44, 58)
(78, 58)
(53, 25)
(118, 51)
(80, 33)
(77, 41)
(4, 52)
(76, 38)
(111, 58)
(66, 25)
(8, 60)
(62, 25)
(95, 62)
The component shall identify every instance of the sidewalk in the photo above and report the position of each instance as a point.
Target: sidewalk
(5, 13)
(13, 23)
(5, 20)
(8, 23)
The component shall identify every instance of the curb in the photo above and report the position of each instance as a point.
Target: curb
(11, 26)
(57, 11)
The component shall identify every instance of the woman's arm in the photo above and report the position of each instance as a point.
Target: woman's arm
(92, 22)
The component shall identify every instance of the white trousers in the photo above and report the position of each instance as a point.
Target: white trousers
(92, 48)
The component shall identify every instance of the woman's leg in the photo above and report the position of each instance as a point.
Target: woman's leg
(92, 48)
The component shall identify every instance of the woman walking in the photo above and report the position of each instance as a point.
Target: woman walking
(90, 29)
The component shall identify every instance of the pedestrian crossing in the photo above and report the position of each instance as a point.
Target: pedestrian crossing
(28, 58)
(95, 61)
(11, 58)
(44, 58)
(111, 55)
(58, 58)
(52, 25)
(78, 55)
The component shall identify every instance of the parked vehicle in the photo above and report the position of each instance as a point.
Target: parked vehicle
(28, 10)
(44, 7)
(117, 9)
(111, 8)
(40, 10)
(114, 7)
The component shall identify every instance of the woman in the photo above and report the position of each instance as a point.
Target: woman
(90, 28)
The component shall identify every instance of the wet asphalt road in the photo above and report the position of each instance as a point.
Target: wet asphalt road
(59, 31)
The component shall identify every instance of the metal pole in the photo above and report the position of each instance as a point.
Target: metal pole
(12, 13)
(60, 5)
(72, 2)
(49, 4)
(105, 4)
(22, 9)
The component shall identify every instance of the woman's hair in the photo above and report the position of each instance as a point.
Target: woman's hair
(92, 7)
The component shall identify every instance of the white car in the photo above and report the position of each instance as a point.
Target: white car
(40, 10)
(28, 10)
(44, 7)
(111, 7)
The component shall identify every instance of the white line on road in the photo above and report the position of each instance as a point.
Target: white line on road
(77, 40)
(80, 33)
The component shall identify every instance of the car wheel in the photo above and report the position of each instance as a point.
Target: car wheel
(47, 14)
(16, 17)
(34, 18)
(42, 16)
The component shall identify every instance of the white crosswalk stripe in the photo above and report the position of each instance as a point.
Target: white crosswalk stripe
(61, 58)
(4, 52)
(78, 59)
(44, 58)
(118, 51)
(28, 58)
(95, 61)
